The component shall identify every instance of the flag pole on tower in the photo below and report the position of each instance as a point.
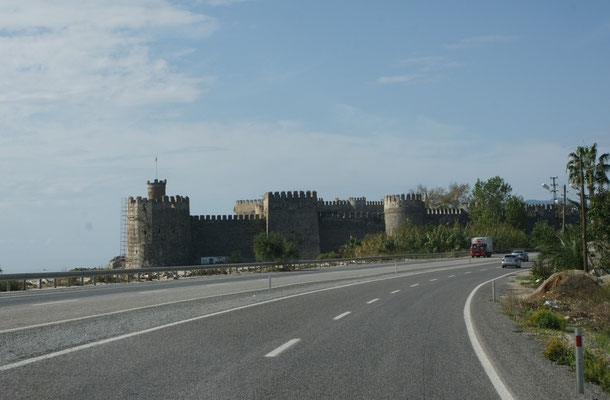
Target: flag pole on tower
(156, 170)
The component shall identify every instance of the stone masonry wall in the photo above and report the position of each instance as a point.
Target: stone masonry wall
(295, 215)
(225, 235)
(337, 228)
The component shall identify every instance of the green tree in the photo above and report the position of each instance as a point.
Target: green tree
(599, 214)
(274, 247)
(514, 212)
(543, 234)
(487, 201)
(595, 169)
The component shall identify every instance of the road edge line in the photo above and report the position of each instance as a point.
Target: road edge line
(486, 363)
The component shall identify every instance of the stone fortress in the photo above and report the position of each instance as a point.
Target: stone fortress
(161, 231)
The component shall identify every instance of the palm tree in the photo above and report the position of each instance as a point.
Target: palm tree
(595, 170)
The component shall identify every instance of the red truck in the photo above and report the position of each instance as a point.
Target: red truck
(481, 247)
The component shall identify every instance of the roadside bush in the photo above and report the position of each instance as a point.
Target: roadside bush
(546, 319)
(15, 285)
(542, 270)
(274, 247)
(327, 256)
(558, 351)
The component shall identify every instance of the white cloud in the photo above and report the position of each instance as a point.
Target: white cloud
(427, 64)
(420, 70)
(223, 2)
(479, 41)
(408, 78)
(92, 53)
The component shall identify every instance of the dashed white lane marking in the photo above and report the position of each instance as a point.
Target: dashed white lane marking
(345, 314)
(490, 370)
(52, 302)
(416, 284)
(371, 301)
(152, 291)
(396, 291)
(468, 272)
(433, 279)
(451, 276)
(283, 348)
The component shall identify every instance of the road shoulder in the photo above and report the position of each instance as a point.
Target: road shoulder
(517, 356)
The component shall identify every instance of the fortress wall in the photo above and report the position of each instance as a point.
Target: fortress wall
(158, 232)
(353, 204)
(224, 235)
(295, 215)
(546, 212)
(336, 228)
(446, 216)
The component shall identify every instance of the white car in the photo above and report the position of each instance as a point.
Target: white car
(511, 260)
(522, 255)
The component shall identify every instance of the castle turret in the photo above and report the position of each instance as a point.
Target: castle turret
(158, 229)
(156, 189)
(400, 208)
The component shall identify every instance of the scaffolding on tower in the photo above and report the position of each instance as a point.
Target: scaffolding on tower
(123, 248)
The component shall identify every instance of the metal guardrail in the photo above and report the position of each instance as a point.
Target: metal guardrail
(150, 272)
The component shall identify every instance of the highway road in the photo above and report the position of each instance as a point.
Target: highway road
(360, 332)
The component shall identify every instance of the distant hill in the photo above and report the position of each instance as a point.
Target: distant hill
(538, 201)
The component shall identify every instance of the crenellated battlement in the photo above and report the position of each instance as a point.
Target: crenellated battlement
(401, 198)
(293, 195)
(164, 199)
(239, 217)
(351, 215)
(256, 202)
(444, 211)
(538, 206)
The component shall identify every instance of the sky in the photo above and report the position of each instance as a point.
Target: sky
(236, 98)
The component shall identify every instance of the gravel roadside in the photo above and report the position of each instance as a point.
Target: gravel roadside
(517, 356)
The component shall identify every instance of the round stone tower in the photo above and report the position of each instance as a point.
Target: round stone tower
(156, 189)
(398, 208)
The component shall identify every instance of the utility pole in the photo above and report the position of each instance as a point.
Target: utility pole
(583, 215)
(554, 191)
(563, 222)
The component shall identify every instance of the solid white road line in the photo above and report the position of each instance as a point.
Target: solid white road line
(52, 302)
(486, 363)
(416, 284)
(283, 348)
(372, 301)
(345, 314)
(396, 291)
(152, 291)
(433, 279)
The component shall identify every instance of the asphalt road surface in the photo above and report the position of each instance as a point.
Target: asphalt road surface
(367, 332)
